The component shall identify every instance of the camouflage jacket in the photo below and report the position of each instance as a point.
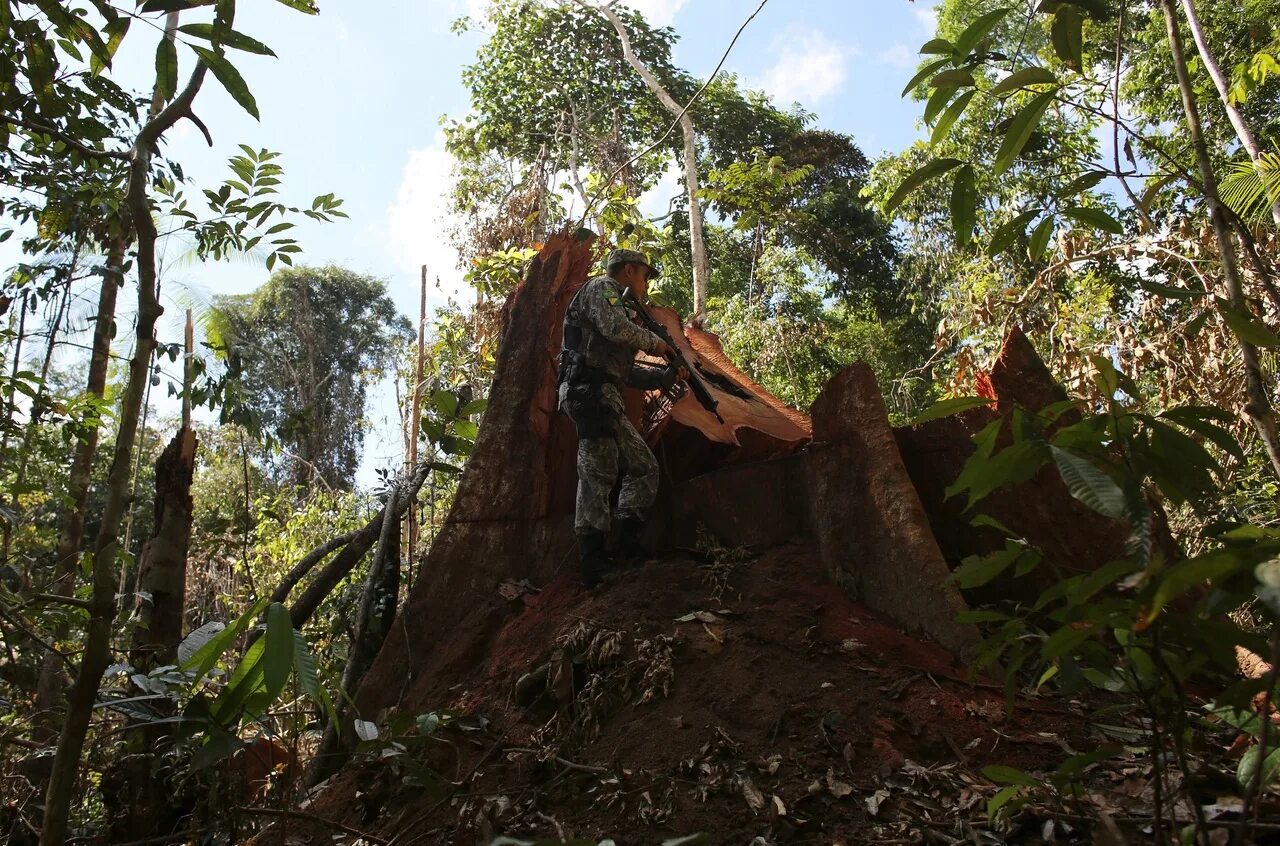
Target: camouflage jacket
(610, 340)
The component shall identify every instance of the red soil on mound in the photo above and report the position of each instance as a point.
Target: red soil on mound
(782, 709)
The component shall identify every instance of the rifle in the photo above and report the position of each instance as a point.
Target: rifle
(696, 385)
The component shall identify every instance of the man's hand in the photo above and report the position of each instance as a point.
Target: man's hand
(682, 374)
(664, 350)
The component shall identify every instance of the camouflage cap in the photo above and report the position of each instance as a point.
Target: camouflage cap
(618, 257)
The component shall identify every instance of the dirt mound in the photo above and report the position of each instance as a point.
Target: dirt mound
(721, 693)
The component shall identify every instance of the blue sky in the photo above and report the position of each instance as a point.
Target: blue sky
(354, 101)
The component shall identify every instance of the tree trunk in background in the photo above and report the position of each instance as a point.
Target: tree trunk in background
(71, 532)
(377, 612)
(1238, 123)
(701, 264)
(1260, 411)
(162, 571)
(97, 649)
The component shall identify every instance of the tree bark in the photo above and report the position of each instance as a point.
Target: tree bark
(50, 685)
(97, 650)
(1247, 140)
(697, 244)
(346, 560)
(1259, 408)
(162, 571)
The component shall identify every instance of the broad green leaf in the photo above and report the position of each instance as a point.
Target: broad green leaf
(1023, 78)
(949, 117)
(1094, 218)
(973, 617)
(1246, 327)
(976, 571)
(307, 7)
(955, 78)
(197, 639)
(932, 170)
(474, 407)
(1247, 772)
(964, 205)
(1000, 799)
(1089, 484)
(1080, 184)
(446, 402)
(948, 407)
(227, 38)
(1010, 231)
(115, 32)
(1020, 129)
(1016, 463)
(938, 46)
(1184, 575)
(204, 657)
(923, 74)
(278, 657)
(1067, 36)
(244, 682)
(978, 30)
(166, 69)
(937, 102)
(1222, 438)
(1001, 774)
(304, 665)
(1040, 239)
(1064, 640)
(226, 73)
(1171, 291)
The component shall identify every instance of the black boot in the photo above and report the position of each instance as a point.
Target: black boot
(595, 561)
(627, 549)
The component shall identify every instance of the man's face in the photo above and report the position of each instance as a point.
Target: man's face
(636, 277)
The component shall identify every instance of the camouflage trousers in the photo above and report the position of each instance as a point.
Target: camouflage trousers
(599, 460)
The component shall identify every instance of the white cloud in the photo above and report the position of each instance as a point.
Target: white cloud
(656, 12)
(809, 67)
(899, 55)
(419, 220)
(927, 14)
(656, 202)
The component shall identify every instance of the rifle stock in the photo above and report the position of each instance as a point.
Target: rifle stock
(696, 385)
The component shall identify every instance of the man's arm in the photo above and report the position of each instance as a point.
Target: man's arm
(651, 378)
(603, 307)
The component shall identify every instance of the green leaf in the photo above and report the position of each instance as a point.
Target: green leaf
(1094, 218)
(972, 617)
(204, 657)
(948, 407)
(956, 78)
(1067, 36)
(446, 402)
(1064, 640)
(1088, 484)
(166, 69)
(964, 205)
(949, 117)
(938, 46)
(1009, 775)
(937, 102)
(230, 78)
(932, 170)
(1170, 291)
(1012, 465)
(1023, 78)
(278, 657)
(227, 38)
(1246, 327)
(115, 32)
(474, 407)
(978, 30)
(1040, 239)
(304, 665)
(976, 571)
(1000, 799)
(1188, 417)
(1081, 184)
(1184, 575)
(1247, 772)
(923, 74)
(1008, 232)
(1020, 129)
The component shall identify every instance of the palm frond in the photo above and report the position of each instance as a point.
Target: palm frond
(1251, 188)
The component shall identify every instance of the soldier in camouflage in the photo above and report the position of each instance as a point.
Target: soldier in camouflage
(597, 360)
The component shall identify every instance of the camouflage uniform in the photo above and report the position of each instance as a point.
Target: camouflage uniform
(590, 393)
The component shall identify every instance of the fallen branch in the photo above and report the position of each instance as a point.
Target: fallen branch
(313, 818)
(567, 764)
